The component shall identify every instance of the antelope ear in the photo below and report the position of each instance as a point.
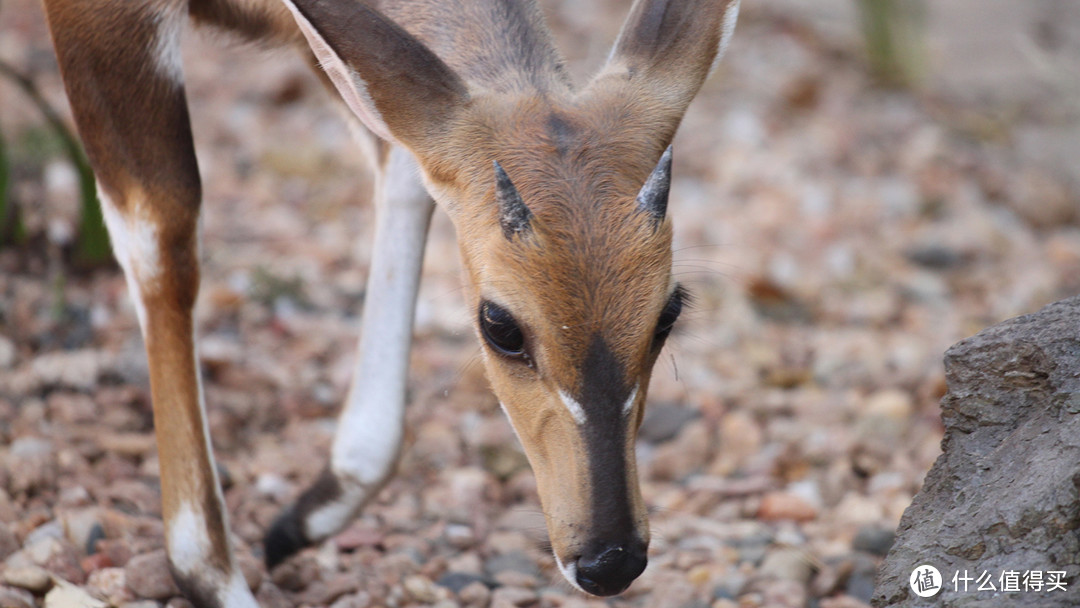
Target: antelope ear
(393, 83)
(666, 50)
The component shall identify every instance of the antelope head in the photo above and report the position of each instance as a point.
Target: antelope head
(559, 198)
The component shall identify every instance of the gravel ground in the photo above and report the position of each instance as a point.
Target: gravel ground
(836, 237)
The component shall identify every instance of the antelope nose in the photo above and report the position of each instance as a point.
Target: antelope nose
(610, 568)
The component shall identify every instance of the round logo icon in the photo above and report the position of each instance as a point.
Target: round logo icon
(925, 581)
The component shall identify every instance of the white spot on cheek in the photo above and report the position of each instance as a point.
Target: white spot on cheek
(189, 545)
(629, 405)
(569, 572)
(727, 29)
(575, 408)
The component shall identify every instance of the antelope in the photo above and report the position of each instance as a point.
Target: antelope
(558, 195)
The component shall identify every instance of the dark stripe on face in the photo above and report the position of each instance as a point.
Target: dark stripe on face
(602, 394)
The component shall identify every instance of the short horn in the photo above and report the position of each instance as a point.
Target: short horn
(514, 215)
(653, 197)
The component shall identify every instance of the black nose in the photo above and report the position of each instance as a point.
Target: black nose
(608, 569)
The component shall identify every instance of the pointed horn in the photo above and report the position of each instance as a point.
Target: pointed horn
(653, 197)
(514, 216)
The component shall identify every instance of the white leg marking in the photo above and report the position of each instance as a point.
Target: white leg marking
(575, 408)
(728, 29)
(189, 552)
(237, 594)
(370, 428)
(135, 243)
(569, 572)
(331, 517)
(189, 544)
(167, 46)
(629, 405)
(352, 87)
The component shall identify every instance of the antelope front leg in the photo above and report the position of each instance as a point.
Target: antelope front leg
(368, 438)
(127, 94)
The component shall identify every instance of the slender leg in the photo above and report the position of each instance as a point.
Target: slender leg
(369, 431)
(126, 89)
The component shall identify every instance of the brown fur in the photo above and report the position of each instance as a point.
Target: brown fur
(460, 83)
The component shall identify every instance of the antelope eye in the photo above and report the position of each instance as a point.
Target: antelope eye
(668, 316)
(501, 331)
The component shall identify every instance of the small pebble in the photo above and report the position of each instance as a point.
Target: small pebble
(148, 576)
(32, 578)
(475, 593)
(874, 540)
(781, 505)
(66, 595)
(11, 597)
(510, 597)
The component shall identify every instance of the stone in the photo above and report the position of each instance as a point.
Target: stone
(31, 465)
(1003, 495)
(789, 565)
(515, 561)
(296, 574)
(81, 525)
(511, 597)
(66, 595)
(421, 589)
(457, 581)
(663, 421)
(357, 536)
(148, 576)
(9, 543)
(54, 553)
(874, 540)
(11, 597)
(783, 505)
(684, 455)
(109, 584)
(1042, 200)
(740, 438)
(475, 593)
(32, 578)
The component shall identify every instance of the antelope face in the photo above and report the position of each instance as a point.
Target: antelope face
(572, 294)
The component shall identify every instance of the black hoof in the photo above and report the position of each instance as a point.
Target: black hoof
(284, 538)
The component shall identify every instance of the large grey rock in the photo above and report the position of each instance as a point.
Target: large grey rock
(1003, 496)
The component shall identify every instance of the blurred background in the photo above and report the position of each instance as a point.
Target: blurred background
(861, 184)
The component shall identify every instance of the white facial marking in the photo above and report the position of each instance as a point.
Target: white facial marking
(575, 408)
(167, 46)
(353, 89)
(189, 544)
(569, 572)
(629, 405)
(728, 28)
